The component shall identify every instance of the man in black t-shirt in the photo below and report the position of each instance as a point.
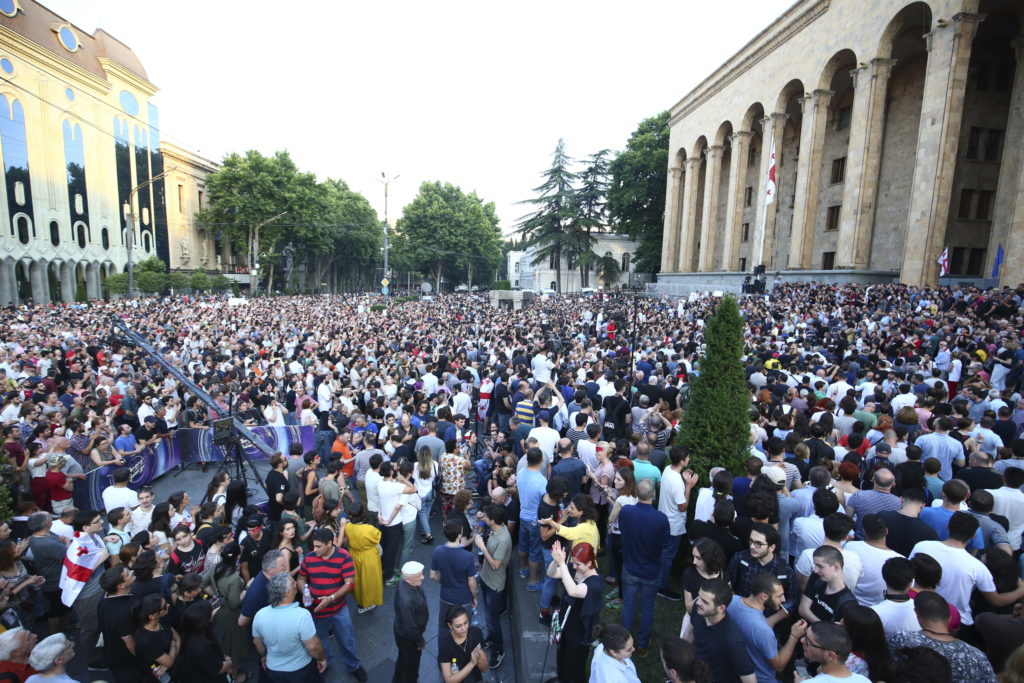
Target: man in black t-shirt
(117, 624)
(277, 486)
(253, 547)
(550, 507)
(826, 593)
(716, 637)
(616, 413)
(905, 529)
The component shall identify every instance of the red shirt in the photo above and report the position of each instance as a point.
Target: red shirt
(325, 575)
(55, 481)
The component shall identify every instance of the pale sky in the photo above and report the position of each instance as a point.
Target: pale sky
(472, 93)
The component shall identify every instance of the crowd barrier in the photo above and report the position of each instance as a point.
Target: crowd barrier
(184, 447)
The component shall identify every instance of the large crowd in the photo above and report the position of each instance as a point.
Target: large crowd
(873, 534)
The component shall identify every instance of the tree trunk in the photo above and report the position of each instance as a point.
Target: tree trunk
(469, 273)
(437, 277)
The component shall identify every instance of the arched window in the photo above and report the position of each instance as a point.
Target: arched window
(145, 242)
(80, 235)
(625, 263)
(54, 233)
(23, 228)
(105, 238)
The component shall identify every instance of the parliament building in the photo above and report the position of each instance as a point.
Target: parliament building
(897, 131)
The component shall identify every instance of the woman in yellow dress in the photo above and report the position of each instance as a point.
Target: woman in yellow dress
(363, 539)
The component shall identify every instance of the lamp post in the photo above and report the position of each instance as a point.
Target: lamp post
(387, 244)
(254, 279)
(131, 226)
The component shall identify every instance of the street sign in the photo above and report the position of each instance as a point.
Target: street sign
(385, 282)
(384, 290)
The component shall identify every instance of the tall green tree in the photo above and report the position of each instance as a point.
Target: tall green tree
(636, 196)
(445, 231)
(716, 426)
(591, 212)
(550, 229)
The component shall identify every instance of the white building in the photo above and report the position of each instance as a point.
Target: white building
(523, 274)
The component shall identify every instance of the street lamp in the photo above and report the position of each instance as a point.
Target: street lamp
(254, 279)
(131, 225)
(387, 245)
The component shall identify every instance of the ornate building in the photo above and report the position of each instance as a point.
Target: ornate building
(524, 274)
(896, 127)
(79, 138)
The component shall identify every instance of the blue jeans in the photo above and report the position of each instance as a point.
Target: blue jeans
(647, 590)
(344, 636)
(492, 615)
(668, 554)
(307, 674)
(550, 585)
(503, 422)
(424, 514)
(324, 441)
(529, 541)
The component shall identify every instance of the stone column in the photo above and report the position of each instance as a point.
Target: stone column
(93, 289)
(7, 295)
(764, 221)
(689, 218)
(670, 233)
(863, 164)
(1008, 213)
(706, 257)
(808, 178)
(67, 282)
(40, 282)
(734, 198)
(942, 108)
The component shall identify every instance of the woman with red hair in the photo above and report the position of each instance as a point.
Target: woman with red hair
(581, 611)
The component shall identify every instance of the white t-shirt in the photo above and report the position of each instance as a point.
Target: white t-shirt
(547, 440)
(852, 570)
(961, 573)
(587, 450)
(1009, 502)
(871, 588)
(408, 512)
(140, 520)
(372, 492)
(390, 495)
(118, 497)
(852, 678)
(897, 616)
(673, 492)
(63, 530)
(424, 486)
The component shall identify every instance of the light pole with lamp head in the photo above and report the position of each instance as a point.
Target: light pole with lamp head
(254, 278)
(387, 244)
(131, 226)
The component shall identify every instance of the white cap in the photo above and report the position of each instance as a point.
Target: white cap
(412, 568)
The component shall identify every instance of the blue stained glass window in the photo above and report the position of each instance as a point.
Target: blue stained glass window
(129, 104)
(68, 38)
(8, 7)
(7, 66)
(70, 94)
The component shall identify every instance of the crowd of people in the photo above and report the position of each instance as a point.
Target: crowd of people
(874, 532)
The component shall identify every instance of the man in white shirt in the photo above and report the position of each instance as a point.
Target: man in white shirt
(809, 532)
(142, 515)
(906, 397)
(547, 438)
(119, 495)
(962, 572)
(873, 553)
(676, 485)
(897, 609)
(391, 502)
(541, 366)
(1009, 502)
(587, 448)
(62, 525)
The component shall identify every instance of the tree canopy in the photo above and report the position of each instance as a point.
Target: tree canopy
(449, 234)
(636, 194)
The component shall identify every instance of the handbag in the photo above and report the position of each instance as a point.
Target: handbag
(557, 624)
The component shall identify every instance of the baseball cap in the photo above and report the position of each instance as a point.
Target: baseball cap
(883, 447)
(777, 475)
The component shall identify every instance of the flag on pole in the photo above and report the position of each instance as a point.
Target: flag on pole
(85, 555)
(999, 261)
(944, 263)
(770, 185)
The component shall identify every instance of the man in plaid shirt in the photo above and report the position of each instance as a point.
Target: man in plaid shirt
(761, 558)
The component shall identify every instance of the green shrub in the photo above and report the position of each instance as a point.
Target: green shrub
(502, 284)
(377, 308)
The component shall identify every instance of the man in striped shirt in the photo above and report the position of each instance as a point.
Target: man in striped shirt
(330, 573)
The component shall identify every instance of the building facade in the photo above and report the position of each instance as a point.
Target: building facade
(80, 143)
(896, 128)
(524, 274)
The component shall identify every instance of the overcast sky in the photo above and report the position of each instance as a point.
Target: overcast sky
(472, 93)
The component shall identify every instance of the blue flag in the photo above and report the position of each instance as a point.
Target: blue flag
(999, 262)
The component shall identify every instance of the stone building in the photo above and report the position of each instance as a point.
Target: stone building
(524, 274)
(897, 130)
(79, 138)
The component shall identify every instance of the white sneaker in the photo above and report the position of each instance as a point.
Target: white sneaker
(364, 610)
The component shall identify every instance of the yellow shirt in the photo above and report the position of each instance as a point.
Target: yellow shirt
(585, 532)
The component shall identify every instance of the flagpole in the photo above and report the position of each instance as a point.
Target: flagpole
(769, 198)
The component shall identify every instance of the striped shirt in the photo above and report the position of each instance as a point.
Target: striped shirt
(525, 412)
(325, 575)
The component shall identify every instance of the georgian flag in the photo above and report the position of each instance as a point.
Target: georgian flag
(944, 263)
(486, 389)
(85, 554)
(770, 188)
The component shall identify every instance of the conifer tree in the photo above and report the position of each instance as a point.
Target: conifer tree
(716, 427)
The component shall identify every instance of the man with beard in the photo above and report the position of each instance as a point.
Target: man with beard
(766, 593)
